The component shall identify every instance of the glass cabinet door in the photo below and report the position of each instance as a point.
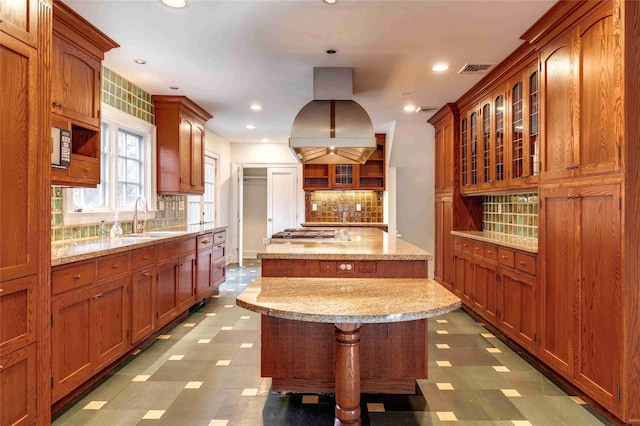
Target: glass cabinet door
(464, 144)
(498, 114)
(486, 144)
(517, 143)
(343, 175)
(534, 142)
(473, 130)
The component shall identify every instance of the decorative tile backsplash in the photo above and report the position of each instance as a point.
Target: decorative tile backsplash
(120, 93)
(336, 206)
(515, 214)
(171, 213)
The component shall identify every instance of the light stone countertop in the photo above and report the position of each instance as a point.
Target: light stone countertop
(64, 252)
(365, 244)
(343, 224)
(512, 241)
(350, 300)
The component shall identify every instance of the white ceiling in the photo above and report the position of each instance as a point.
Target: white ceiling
(225, 55)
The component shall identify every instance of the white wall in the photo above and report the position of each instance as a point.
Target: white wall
(220, 146)
(254, 216)
(413, 158)
(262, 153)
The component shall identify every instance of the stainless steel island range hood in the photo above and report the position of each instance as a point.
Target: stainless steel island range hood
(333, 128)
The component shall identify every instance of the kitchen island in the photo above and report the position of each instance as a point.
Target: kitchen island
(299, 356)
(351, 304)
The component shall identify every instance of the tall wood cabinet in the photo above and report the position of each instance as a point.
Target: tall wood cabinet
(25, 27)
(78, 49)
(180, 138)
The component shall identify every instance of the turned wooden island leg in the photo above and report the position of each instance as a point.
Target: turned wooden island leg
(347, 374)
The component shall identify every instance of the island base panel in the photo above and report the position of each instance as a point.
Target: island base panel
(300, 356)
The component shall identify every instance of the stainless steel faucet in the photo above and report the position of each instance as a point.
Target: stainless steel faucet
(137, 227)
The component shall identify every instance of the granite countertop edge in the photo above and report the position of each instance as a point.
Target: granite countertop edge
(519, 243)
(127, 243)
(343, 224)
(355, 256)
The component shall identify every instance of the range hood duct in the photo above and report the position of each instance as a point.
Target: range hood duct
(333, 128)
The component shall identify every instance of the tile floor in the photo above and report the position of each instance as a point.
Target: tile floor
(206, 371)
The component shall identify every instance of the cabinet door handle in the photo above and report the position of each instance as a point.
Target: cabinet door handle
(86, 170)
(572, 166)
(1, 290)
(477, 248)
(145, 258)
(146, 274)
(76, 277)
(522, 262)
(115, 266)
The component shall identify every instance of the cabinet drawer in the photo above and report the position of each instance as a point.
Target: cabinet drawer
(143, 258)
(113, 265)
(467, 246)
(367, 267)
(72, 277)
(506, 257)
(526, 263)
(218, 273)
(218, 253)
(204, 241)
(220, 237)
(84, 169)
(17, 313)
(478, 249)
(457, 243)
(490, 252)
(175, 249)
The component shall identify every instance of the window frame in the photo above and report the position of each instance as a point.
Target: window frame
(216, 186)
(119, 120)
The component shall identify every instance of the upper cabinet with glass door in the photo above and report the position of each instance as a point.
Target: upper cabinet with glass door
(523, 128)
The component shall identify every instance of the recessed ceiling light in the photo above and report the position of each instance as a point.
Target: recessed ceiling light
(329, 1)
(140, 61)
(175, 4)
(255, 107)
(173, 87)
(440, 67)
(409, 108)
(250, 126)
(265, 140)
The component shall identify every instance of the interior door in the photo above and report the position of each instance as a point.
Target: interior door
(240, 212)
(282, 199)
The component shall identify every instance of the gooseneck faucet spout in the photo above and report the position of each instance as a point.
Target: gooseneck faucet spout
(137, 226)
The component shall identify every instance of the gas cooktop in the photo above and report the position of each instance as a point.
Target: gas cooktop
(293, 233)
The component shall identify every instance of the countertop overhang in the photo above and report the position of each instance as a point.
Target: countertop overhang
(348, 300)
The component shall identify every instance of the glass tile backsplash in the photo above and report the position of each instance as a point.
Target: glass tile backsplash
(121, 94)
(339, 206)
(171, 213)
(514, 214)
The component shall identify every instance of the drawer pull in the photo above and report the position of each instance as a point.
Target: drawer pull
(146, 274)
(464, 245)
(114, 266)
(204, 242)
(522, 262)
(504, 257)
(1, 290)
(97, 296)
(86, 170)
(489, 252)
(145, 258)
(76, 277)
(477, 248)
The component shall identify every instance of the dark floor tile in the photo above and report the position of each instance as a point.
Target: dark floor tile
(180, 371)
(146, 396)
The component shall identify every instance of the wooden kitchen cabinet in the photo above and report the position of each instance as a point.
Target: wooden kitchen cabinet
(443, 266)
(368, 176)
(78, 49)
(17, 313)
(18, 150)
(90, 322)
(446, 133)
(204, 267)
(20, 20)
(18, 387)
(219, 272)
(581, 309)
(174, 283)
(486, 280)
(517, 307)
(582, 121)
(180, 129)
(143, 291)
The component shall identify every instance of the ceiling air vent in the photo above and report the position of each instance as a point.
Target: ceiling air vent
(475, 68)
(426, 110)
